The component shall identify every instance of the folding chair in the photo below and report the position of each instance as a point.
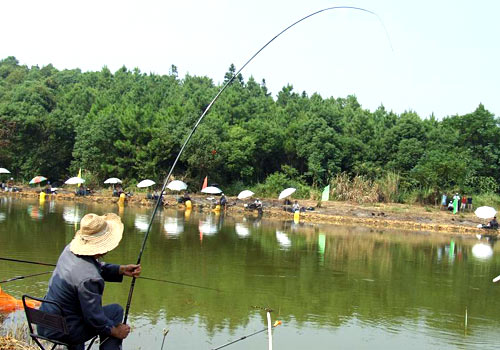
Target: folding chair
(55, 322)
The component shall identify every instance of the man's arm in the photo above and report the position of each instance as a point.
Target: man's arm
(90, 297)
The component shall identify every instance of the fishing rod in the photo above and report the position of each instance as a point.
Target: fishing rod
(141, 277)
(23, 277)
(159, 200)
(276, 324)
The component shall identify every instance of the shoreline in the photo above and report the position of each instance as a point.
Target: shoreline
(380, 215)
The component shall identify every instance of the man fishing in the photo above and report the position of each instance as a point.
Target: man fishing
(77, 285)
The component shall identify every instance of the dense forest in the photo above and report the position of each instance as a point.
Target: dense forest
(131, 125)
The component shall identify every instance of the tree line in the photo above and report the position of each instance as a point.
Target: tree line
(131, 125)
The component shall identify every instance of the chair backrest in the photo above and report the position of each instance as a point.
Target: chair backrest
(36, 317)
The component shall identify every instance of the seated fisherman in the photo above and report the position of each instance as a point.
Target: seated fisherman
(77, 284)
(493, 224)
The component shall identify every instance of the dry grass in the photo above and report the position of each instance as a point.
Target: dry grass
(358, 189)
(11, 343)
(15, 335)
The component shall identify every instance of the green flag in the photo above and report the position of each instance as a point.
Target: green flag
(326, 193)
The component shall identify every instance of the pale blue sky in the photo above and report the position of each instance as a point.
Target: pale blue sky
(444, 56)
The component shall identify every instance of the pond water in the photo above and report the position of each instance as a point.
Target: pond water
(331, 286)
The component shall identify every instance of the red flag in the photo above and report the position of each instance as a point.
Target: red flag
(204, 182)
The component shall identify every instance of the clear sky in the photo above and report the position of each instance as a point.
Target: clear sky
(438, 57)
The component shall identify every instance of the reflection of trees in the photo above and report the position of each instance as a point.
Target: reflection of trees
(375, 276)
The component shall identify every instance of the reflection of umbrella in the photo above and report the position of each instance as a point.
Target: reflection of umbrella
(145, 183)
(35, 212)
(74, 181)
(485, 212)
(173, 226)
(141, 222)
(2, 217)
(241, 230)
(37, 180)
(207, 227)
(283, 239)
(482, 251)
(4, 171)
(286, 192)
(211, 190)
(245, 194)
(113, 180)
(177, 185)
(72, 215)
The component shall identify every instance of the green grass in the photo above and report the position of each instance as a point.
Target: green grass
(489, 199)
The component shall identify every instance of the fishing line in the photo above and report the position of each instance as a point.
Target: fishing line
(22, 277)
(159, 200)
(27, 262)
(141, 277)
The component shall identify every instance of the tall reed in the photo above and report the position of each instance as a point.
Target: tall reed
(357, 189)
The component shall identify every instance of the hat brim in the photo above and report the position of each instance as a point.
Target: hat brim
(102, 244)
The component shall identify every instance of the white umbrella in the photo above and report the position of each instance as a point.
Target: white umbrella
(287, 192)
(485, 212)
(4, 171)
(145, 183)
(113, 180)
(245, 194)
(211, 190)
(177, 185)
(74, 181)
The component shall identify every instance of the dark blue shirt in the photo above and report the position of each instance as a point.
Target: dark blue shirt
(77, 284)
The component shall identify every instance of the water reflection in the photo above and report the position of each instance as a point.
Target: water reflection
(141, 222)
(334, 284)
(35, 212)
(283, 239)
(173, 226)
(241, 230)
(208, 226)
(3, 216)
(72, 215)
(482, 251)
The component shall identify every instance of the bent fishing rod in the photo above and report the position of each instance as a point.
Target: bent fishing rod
(188, 138)
(141, 277)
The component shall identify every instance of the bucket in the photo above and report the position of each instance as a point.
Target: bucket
(296, 217)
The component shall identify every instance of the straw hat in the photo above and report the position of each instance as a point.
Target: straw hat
(97, 234)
